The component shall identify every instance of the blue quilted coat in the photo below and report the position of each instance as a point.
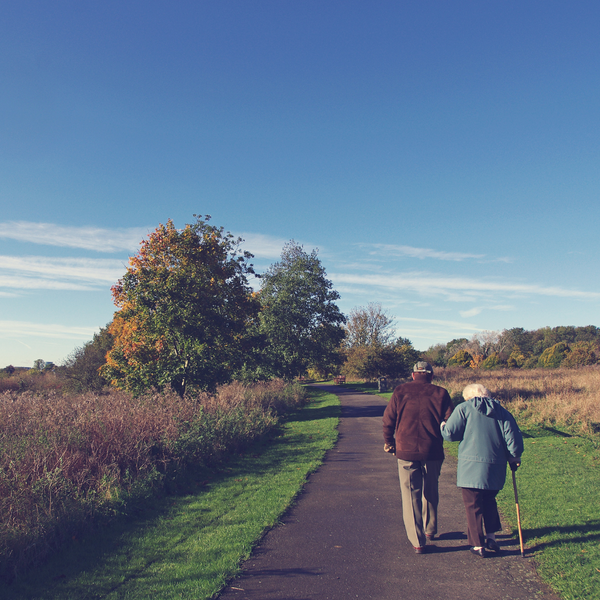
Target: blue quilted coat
(488, 436)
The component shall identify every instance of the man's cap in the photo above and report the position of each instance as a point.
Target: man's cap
(422, 367)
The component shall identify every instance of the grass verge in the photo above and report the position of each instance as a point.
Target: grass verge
(560, 514)
(190, 544)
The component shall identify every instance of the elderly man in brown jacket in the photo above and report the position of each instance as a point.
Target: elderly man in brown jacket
(411, 431)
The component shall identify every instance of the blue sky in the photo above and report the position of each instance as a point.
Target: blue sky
(442, 156)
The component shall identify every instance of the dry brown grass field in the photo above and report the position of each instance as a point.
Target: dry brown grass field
(31, 381)
(538, 397)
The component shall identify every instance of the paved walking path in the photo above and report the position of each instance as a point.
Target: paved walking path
(344, 538)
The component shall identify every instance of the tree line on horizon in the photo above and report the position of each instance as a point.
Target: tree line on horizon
(517, 348)
(188, 319)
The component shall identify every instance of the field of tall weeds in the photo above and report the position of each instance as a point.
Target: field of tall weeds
(537, 397)
(66, 459)
(31, 381)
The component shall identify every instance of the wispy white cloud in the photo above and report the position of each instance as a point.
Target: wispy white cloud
(86, 238)
(10, 329)
(39, 283)
(443, 323)
(51, 273)
(99, 270)
(118, 239)
(263, 246)
(392, 250)
(477, 310)
(432, 331)
(433, 284)
(421, 253)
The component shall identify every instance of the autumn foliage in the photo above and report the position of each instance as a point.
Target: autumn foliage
(184, 306)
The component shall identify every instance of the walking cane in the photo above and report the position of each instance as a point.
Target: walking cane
(518, 512)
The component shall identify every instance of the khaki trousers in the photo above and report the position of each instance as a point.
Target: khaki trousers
(420, 497)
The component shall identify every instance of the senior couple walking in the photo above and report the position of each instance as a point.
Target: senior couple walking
(419, 416)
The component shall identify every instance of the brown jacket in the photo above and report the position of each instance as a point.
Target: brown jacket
(413, 418)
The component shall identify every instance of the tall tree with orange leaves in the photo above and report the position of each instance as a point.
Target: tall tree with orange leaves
(184, 306)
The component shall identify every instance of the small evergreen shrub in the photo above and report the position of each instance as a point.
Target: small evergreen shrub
(461, 359)
(493, 361)
(551, 358)
(582, 354)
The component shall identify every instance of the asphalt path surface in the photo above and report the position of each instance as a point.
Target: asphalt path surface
(344, 537)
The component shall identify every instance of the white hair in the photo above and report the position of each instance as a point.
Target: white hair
(476, 390)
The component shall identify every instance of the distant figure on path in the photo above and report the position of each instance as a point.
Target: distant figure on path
(411, 431)
(489, 437)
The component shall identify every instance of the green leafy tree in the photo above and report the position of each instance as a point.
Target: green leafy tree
(82, 366)
(399, 359)
(517, 336)
(436, 355)
(393, 361)
(493, 361)
(299, 319)
(461, 359)
(360, 362)
(455, 345)
(582, 354)
(552, 357)
(589, 333)
(517, 358)
(183, 309)
(441, 354)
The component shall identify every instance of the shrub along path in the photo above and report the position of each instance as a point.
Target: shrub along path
(344, 538)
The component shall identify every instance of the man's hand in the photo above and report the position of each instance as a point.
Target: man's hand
(514, 463)
(389, 448)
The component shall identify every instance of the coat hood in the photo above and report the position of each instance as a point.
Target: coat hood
(487, 406)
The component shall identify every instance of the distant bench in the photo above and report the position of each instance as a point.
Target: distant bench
(340, 379)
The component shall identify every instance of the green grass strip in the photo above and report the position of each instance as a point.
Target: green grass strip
(190, 545)
(558, 488)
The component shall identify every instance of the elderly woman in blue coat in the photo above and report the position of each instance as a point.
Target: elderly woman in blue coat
(489, 438)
